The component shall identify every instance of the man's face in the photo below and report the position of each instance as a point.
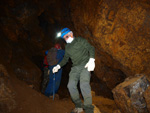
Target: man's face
(65, 37)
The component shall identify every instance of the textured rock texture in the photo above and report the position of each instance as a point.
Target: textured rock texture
(7, 93)
(129, 95)
(146, 96)
(27, 71)
(118, 28)
(105, 105)
(21, 41)
(116, 111)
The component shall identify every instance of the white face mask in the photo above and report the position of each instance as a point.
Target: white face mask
(69, 40)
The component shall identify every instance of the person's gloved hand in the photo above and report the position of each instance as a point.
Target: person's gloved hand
(90, 65)
(48, 72)
(56, 68)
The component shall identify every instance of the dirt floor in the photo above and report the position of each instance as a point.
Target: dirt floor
(30, 101)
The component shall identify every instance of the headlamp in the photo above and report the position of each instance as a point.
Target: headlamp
(58, 34)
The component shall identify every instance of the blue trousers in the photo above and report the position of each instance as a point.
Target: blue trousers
(50, 86)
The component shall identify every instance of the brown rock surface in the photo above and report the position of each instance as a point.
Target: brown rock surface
(27, 71)
(27, 100)
(116, 111)
(147, 98)
(129, 95)
(7, 93)
(104, 105)
(120, 28)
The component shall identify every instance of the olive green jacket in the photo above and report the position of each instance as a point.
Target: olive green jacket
(79, 50)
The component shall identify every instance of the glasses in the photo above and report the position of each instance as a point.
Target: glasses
(67, 36)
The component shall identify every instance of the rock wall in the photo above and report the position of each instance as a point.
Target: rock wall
(120, 28)
(7, 93)
(22, 38)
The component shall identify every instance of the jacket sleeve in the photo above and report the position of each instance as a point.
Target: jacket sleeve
(64, 60)
(89, 47)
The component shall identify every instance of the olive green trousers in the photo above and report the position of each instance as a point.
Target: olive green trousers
(81, 75)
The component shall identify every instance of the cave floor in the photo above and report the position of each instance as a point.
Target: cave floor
(30, 101)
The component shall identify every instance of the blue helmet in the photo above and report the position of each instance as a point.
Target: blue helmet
(64, 31)
(46, 52)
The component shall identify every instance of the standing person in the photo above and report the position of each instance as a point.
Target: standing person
(82, 55)
(46, 74)
(54, 56)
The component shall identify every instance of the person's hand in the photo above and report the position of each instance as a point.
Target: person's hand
(90, 65)
(56, 68)
(48, 72)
